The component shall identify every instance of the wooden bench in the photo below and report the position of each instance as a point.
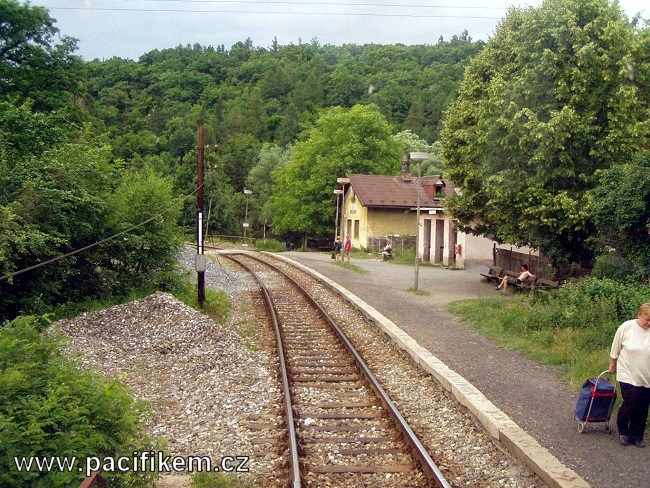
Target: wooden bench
(494, 274)
(546, 285)
(528, 284)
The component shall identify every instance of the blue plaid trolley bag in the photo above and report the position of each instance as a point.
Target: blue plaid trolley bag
(596, 401)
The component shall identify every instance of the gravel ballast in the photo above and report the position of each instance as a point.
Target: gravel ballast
(462, 449)
(203, 384)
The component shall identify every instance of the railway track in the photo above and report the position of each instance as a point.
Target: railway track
(343, 429)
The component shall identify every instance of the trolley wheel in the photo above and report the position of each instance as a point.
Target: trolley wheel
(581, 427)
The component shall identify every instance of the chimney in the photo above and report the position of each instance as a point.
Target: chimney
(406, 172)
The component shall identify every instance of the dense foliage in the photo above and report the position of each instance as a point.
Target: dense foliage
(35, 63)
(61, 187)
(620, 209)
(343, 141)
(559, 93)
(48, 407)
(250, 97)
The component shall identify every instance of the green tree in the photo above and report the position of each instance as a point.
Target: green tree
(56, 203)
(343, 141)
(32, 63)
(237, 157)
(411, 142)
(546, 104)
(146, 251)
(260, 182)
(620, 209)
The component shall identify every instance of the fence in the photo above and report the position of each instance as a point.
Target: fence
(512, 260)
(376, 244)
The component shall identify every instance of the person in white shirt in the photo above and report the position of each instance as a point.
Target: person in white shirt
(524, 275)
(630, 360)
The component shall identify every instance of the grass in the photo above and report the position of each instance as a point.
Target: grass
(216, 305)
(419, 292)
(407, 257)
(351, 267)
(361, 254)
(271, 245)
(218, 480)
(500, 319)
(577, 352)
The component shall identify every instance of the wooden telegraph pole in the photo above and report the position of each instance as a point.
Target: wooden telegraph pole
(200, 201)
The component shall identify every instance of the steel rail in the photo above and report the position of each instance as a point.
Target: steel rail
(428, 466)
(294, 463)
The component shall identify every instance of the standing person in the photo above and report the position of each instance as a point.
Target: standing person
(337, 248)
(630, 360)
(523, 276)
(348, 247)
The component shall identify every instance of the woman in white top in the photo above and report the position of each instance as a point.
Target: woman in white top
(524, 275)
(630, 360)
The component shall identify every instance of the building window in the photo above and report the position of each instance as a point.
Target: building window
(356, 229)
(349, 227)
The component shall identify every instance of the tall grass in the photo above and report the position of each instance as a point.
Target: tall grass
(270, 245)
(571, 328)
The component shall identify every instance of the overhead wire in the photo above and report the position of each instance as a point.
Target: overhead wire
(274, 12)
(90, 246)
(329, 4)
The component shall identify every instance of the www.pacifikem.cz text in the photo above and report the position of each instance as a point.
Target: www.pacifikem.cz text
(139, 462)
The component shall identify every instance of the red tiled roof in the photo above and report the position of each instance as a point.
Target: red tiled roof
(394, 192)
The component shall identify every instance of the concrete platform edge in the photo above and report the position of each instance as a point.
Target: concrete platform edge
(501, 427)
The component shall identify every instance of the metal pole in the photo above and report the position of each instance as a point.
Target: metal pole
(343, 229)
(200, 201)
(417, 227)
(245, 220)
(336, 220)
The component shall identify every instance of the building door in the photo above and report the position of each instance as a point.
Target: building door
(426, 242)
(439, 240)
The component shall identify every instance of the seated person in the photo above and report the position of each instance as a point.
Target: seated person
(523, 276)
(388, 250)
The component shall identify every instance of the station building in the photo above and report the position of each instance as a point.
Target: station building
(377, 206)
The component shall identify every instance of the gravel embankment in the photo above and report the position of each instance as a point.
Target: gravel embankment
(203, 384)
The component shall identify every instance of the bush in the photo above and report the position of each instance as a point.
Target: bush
(614, 267)
(50, 408)
(596, 304)
(270, 245)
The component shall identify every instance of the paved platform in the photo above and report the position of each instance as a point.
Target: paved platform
(531, 394)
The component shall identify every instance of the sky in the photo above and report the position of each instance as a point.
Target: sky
(130, 28)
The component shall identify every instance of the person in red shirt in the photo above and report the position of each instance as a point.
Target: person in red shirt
(348, 247)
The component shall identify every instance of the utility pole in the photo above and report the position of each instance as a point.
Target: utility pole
(200, 201)
(418, 157)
